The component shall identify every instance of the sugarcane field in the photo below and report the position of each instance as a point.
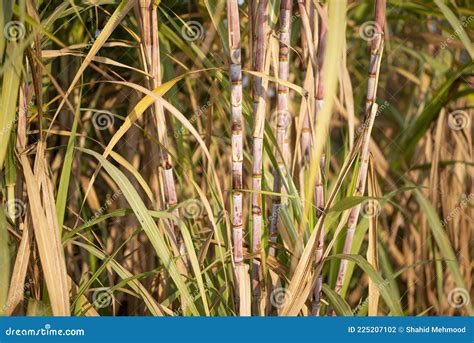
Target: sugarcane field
(228, 158)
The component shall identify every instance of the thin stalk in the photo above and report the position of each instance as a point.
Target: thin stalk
(149, 25)
(259, 103)
(319, 189)
(283, 120)
(237, 126)
(309, 49)
(306, 134)
(370, 114)
(149, 29)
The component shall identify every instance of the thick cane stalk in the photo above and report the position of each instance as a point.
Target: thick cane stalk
(309, 50)
(370, 114)
(305, 137)
(283, 119)
(237, 125)
(317, 63)
(259, 104)
(319, 189)
(149, 29)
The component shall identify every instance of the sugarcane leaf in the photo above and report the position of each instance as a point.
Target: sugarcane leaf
(359, 236)
(63, 189)
(214, 14)
(442, 241)
(149, 226)
(349, 202)
(456, 25)
(141, 181)
(17, 283)
(49, 245)
(4, 262)
(418, 127)
(341, 307)
(9, 95)
(115, 19)
(389, 297)
(155, 308)
(138, 110)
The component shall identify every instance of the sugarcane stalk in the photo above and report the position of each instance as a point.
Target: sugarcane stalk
(283, 120)
(149, 26)
(319, 189)
(149, 30)
(317, 62)
(369, 117)
(308, 49)
(171, 198)
(307, 76)
(359, 191)
(237, 129)
(259, 104)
